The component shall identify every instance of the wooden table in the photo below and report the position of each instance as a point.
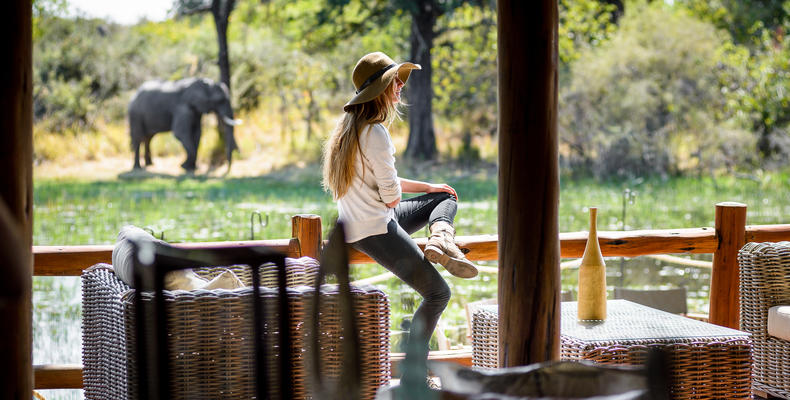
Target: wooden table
(706, 361)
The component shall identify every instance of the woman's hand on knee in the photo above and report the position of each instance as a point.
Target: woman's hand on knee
(441, 187)
(393, 203)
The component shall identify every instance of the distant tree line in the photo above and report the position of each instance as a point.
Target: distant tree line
(645, 87)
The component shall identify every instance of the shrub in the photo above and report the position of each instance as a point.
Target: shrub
(649, 101)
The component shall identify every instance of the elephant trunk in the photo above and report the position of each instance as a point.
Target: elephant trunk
(228, 124)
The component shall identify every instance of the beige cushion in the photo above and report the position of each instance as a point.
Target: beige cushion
(779, 322)
(225, 280)
(187, 279)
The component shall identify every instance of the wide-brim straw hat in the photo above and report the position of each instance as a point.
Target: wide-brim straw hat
(373, 73)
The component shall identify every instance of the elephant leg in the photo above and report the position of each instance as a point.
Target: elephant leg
(190, 163)
(183, 128)
(136, 148)
(147, 144)
(137, 132)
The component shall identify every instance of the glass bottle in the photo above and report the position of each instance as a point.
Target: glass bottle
(592, 276)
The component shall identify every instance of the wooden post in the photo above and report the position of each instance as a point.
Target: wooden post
(731, 235)
(529, 249)
(306, 228)
(16, 197)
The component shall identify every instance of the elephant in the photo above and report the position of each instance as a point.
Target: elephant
(178, 106)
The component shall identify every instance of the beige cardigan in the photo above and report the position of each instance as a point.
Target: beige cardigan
(363, 208)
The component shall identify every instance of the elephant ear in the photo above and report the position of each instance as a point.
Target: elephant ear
(221, 92)
(198, 95)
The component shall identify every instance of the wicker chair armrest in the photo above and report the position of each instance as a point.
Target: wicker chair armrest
(103, 333)
(111, 278)
(765, 271)
(764, 283)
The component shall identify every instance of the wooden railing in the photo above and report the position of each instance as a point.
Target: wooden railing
(723, 241)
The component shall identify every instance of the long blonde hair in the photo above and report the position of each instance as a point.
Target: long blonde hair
(340, 150)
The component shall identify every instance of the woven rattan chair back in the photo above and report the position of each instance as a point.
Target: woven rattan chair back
(334, 262)
(152, 260)
(211, 328)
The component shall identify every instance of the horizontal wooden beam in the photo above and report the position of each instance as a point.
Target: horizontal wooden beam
(71, 260)
(480, 247)
(68, 260)
(57, 376)
(643, 242)
(613, 244)
(462, 357)
(69, 376)
(767, 233)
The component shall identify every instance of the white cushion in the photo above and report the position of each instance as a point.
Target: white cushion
(779, 322)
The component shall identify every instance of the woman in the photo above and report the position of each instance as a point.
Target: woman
(359, 170)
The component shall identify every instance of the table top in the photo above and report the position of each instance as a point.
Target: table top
(628, 321)
(631, 321)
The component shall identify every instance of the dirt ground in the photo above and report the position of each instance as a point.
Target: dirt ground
(121, 168)
(110, 168)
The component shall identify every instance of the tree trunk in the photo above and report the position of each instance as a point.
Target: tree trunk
(764, 144)
(529, 249)
(312, 111)
(221, 9)
(16, 200)
(422, 140)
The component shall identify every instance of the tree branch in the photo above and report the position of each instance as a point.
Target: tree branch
(192, 7)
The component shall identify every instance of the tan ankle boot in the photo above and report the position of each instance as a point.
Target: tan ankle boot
(441, 249)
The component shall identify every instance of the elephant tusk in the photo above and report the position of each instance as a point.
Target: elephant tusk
(231, 122)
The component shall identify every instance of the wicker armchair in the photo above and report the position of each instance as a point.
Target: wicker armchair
(210, 331)
(765, 283)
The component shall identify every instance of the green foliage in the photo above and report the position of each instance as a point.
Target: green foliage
(464, 79)
(760, 94)
(73, 71)
(583, 24)
(649, 101)
(321, 26)
(742, 18)
(43, 10)
(465, 58)
(664, 88)
(758, 91)
(69, 103)
(77, 76)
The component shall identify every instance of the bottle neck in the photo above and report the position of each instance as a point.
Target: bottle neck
(593, 221)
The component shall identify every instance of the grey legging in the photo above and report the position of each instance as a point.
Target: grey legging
(396, 251)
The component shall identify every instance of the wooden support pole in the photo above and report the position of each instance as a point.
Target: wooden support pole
(731, 235)
(529, 248)
(16, 199)
(306, 228)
